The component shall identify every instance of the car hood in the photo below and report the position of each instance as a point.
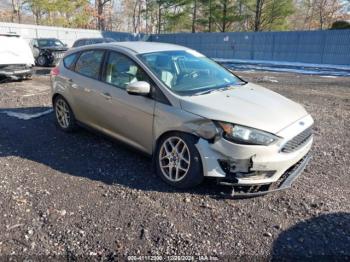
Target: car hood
(248, 105)
(54, 48)
(15, 50)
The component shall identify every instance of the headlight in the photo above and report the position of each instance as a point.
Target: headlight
(246, 135)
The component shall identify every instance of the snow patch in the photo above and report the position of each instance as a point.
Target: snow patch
(25, 116)
(290, 67)
(329, 76)
(270, 79)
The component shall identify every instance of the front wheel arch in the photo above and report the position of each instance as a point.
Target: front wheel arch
(156, 143)
(195, 175)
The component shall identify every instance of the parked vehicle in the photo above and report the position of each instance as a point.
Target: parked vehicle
(92, 41)
(16, 58)
(47, 51)
(193, 116)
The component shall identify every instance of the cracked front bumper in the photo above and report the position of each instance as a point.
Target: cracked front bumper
(256, 168)
(284, 182)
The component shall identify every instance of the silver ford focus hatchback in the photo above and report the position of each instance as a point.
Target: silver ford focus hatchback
(196, 118)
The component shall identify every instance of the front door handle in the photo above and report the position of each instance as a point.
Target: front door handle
(107, 95)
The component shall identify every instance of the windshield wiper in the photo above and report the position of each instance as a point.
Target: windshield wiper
(213, 90)
(205, 92)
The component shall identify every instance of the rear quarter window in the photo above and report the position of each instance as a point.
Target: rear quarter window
(89, 63)
(68, 61)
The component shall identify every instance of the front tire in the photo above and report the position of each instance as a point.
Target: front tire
(178, 162)
(41, 61)
(64, 115)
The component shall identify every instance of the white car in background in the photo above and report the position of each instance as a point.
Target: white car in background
(16, 57)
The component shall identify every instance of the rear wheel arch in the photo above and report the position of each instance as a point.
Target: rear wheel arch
(57, 95)
(65, 118)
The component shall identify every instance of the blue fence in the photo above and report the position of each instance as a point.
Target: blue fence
(120, 36)
(318, 47)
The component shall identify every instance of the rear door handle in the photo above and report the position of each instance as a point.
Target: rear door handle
(71, 82)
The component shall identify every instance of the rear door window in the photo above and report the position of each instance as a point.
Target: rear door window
(89, 63)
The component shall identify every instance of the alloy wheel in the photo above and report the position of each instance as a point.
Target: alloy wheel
(62, 113)
(174, 159)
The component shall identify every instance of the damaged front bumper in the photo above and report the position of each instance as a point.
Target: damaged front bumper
(253, 169)
(284, 182)
(15, 71)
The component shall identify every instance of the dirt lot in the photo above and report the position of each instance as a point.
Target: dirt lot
(70, 196)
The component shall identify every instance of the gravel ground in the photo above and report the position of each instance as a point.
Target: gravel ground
(81, 195)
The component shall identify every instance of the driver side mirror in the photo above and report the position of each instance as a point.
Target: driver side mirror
(139, 88)
(35, 46)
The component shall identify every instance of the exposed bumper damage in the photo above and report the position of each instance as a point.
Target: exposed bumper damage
(284, 182)
(255, 170)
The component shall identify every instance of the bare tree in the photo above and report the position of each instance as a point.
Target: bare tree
(136, 16)
(194, 16)
(320, 14)
(100, 5)
(16, 10)
(326, 11)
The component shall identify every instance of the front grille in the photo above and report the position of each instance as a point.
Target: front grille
(298, 141)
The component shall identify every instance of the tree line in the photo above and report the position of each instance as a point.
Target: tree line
(160, 16)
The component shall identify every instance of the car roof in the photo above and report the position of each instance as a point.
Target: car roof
(142, 47)
(148, 47)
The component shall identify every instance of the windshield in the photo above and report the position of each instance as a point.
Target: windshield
(188, 72)
(49, 42)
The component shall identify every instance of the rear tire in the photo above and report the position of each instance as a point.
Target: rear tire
(178, 161)
(64, 115)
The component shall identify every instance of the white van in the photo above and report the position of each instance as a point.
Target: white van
(16, 57)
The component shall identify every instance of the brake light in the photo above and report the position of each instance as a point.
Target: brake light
(55, 71)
